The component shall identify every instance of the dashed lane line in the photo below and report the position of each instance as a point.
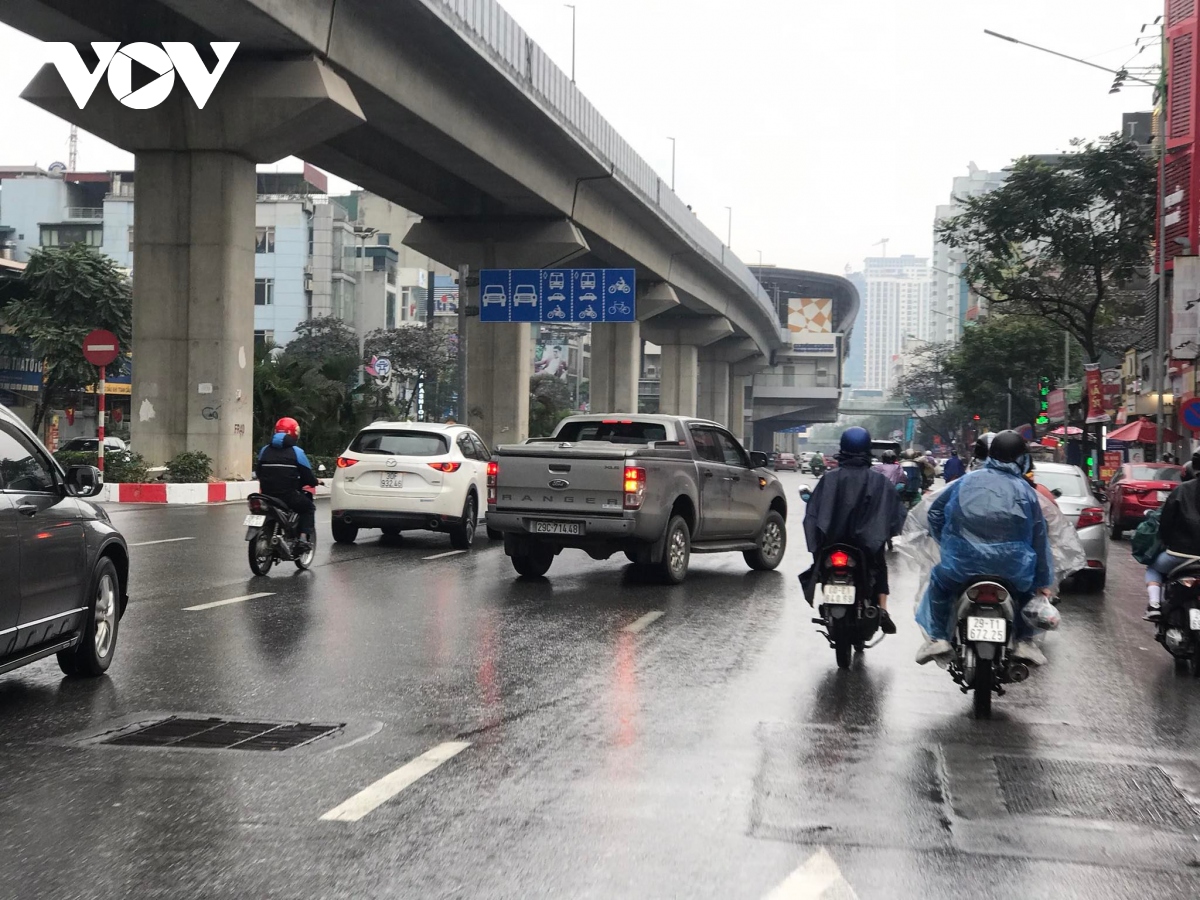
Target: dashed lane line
(228, 602)
(163, 541)
(390, 785)
(817, 878)
(442, 555)
(640, 624)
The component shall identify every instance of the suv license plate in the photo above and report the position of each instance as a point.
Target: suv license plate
(258, 521)
(987, 629)
(838, 594)
(1194, 619)
(391, 480)
(575, 528)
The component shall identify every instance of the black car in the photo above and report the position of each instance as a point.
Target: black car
(64, 568)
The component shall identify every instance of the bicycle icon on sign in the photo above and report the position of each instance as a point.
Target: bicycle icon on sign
(622, 286)
(619, 308)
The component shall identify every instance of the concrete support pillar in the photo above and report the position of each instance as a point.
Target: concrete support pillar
(616, 367)
(713, 390)
(193, 308)
(737, 406)
(679, 387)
(499, 357)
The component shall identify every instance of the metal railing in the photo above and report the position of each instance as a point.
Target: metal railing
(85, 212)
(497, 35)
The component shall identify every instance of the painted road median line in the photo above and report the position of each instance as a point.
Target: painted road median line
(389, 786)
(161, 541)
(228, 602)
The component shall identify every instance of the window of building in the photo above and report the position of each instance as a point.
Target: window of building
(264, 337)
(308, 305)
(264, 291)
(64, 235)
(264, 239)
(130, 238)
(383, 240)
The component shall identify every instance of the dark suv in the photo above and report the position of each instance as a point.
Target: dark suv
(65, 568)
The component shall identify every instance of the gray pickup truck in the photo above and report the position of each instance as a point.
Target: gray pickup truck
(657, 488)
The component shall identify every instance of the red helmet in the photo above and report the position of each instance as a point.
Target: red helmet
(288, 426)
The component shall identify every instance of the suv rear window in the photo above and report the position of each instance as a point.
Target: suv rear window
(623, 432)
(400, 443)
(1154, 473)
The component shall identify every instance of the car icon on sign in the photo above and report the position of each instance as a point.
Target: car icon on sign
(587, 298)
(493, 294)
(557, 281)
(557, 297)
(587, 281)
(525, 295)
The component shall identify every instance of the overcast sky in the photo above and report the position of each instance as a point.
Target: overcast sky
(825, 124)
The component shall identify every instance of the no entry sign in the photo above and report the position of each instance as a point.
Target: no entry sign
(100, 348)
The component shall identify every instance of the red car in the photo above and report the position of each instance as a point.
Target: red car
(1135, 490)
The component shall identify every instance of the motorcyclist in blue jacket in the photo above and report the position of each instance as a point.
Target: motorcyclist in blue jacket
(989, 522)
(285, 473)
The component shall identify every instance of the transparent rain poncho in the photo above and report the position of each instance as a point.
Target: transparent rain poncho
(1005, 536)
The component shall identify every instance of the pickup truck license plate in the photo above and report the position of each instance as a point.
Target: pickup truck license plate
(391, 480)
(989, 630)
(1163, 495)
(1194, 619)
(255, 521)
(575, 528)
(838, 594)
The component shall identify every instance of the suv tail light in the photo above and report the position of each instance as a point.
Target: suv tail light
(987, 594)
(493, 475)
(635, 487)
(446, 467)
(1093, 515)
(345, 462)
(839, 559)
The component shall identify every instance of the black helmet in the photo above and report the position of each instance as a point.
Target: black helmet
(889, 456)
(1007, 446)
(982, 444)
(856, 440)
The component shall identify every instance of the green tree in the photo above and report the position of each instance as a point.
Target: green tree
(1064, 240)
(928, 389)
(420, 357)
(63, 294)
(549, 404)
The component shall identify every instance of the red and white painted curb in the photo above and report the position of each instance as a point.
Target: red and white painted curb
(161, 492)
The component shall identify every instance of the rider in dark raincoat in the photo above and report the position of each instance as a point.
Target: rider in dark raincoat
(854, 504)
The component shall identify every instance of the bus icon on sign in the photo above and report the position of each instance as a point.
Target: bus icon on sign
(557, 281)
(587, 281)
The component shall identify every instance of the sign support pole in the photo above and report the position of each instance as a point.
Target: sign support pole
(100, 399)
(464, 406)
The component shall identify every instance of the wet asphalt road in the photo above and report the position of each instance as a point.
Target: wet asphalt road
(714, 751)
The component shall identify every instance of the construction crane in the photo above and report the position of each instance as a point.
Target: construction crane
(883, 244)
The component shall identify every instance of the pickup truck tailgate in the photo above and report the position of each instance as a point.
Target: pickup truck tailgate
(580, 479)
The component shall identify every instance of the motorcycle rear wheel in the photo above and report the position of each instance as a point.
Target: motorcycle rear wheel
(982, 688)
(261, 550)
(1193, 660)
(843, 647)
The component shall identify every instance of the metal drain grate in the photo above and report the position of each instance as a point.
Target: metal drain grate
(222, 734)
(1141, 795)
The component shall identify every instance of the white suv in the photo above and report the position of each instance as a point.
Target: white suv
(410, 476)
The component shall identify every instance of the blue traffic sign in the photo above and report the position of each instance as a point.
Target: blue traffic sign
(557, 295)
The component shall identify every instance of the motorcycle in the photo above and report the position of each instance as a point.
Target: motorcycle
(271, 535)
(1179, 621)
(983, 638)
(848, 608)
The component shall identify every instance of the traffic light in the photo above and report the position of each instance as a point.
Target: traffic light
(1043, 400)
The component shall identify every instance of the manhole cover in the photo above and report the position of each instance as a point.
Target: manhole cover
(220, 734)
(1140, 795)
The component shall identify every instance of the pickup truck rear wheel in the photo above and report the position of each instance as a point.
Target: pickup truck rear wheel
(677, 551)
(772, 542)
(535, 563)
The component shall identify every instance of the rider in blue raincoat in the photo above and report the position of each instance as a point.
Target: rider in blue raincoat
(988, 522)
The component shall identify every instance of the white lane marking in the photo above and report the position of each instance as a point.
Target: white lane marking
(443, 555)
(640, 624)
(228, 602)
(813, 879)
(163, 541)
(389, 786)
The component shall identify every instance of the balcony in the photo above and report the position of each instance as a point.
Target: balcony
(84, 213)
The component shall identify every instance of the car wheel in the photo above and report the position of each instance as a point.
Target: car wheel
(535, 563)
(98, 642)
(343, 532)
(772, 543)
(463, 536)
(1096, 580)
(494, 534)
(677, 551)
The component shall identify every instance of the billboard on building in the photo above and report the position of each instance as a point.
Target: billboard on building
(20, 373)
(815, 344)
(810, 315)
(552, 359)
(1185, 308)
(445, 296)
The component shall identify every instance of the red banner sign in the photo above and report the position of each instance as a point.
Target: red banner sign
(1111, 465)
(1095, 394)
(1056, 406)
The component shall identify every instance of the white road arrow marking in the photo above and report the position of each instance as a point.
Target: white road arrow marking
(818, 878)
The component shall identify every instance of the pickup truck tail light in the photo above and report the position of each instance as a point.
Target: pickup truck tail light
(1093, 515)
(635, 487)
(493, 474)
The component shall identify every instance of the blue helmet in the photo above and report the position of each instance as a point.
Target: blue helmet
(856, 440)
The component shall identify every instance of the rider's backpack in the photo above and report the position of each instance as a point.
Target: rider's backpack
(1146, 544)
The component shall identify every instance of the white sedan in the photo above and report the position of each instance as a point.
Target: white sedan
(411, 476)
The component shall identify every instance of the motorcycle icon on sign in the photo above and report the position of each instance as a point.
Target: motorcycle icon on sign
(621, 286)
(556, 313)
(587, 312)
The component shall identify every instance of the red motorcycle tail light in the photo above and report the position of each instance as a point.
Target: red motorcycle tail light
(839, 559)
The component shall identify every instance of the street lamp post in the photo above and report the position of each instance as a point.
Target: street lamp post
(571, 7)
(672, 140)
(729, 229)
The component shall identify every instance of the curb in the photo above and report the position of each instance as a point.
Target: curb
(183, 494)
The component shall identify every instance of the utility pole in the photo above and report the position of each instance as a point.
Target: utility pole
(464, 409)
(571, 7)
(1008, 421)
(672, 140)
(729, 230)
